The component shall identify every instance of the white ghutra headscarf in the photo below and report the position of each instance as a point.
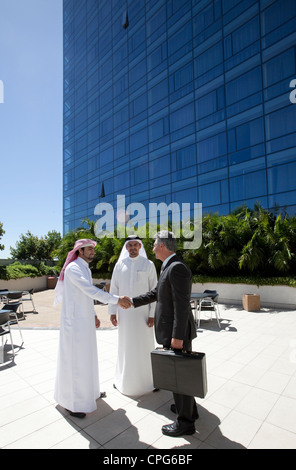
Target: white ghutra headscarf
(125, 254)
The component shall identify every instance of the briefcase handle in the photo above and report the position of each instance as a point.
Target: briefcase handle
(180, 352)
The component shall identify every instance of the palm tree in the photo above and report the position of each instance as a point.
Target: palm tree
(284, 243)
(271, 248)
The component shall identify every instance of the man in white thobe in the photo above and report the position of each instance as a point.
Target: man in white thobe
(133, 273)
(77, 381)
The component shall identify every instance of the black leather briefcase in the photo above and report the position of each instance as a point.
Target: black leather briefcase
(183, 373)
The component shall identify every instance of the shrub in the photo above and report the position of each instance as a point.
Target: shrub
(18, 270)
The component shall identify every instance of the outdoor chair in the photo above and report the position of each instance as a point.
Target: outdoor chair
(3, 295)
(210, 303)
(13, 317)
(28, 297)
(102, 286)
(11, 300)
(5, 330)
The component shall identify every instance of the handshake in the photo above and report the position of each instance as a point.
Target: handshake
(125, 302)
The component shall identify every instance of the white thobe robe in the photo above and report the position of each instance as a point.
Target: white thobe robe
(133, 375)
(77, 380)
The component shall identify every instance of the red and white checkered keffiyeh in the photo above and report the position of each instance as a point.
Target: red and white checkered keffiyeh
(70, 257)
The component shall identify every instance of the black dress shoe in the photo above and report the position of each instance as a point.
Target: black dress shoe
(76, 414)
(176, 429)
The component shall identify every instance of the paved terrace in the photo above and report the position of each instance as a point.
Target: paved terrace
(251, 400)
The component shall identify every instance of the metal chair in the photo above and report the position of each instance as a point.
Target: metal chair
(28, 297)
(3, 295)
(5, 330)
(210, 303)
(105, 288)
(12, 298)
(12, 309)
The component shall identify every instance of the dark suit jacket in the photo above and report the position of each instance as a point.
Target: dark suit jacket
(173, 315)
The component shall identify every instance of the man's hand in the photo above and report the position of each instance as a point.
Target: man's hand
(177, 343)
(150, 322)
(113, 320)
(97, 322)
(124, 302)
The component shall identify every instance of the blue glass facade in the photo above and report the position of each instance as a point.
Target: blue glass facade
(188, 102)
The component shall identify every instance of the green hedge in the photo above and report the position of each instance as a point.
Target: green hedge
(18, 270)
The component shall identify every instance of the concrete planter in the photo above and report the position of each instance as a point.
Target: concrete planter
(251, 302)
(51, 282)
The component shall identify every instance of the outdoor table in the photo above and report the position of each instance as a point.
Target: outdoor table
(5, 293)
(2, 344)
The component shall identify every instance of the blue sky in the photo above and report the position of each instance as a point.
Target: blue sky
(30, 118)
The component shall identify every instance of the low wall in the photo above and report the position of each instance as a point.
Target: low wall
(25, 283)
(270, 296)
(232, 294)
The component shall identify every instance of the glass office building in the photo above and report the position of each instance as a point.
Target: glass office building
(179, 101)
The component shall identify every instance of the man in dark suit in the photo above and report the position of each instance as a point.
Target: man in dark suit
(174, 322)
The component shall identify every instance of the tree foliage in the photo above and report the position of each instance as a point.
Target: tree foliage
(30, 247)
(246, 242)
(1, 235)
(107, 250)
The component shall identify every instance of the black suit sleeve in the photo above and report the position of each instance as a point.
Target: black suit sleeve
(145, 299)
(180, 279)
